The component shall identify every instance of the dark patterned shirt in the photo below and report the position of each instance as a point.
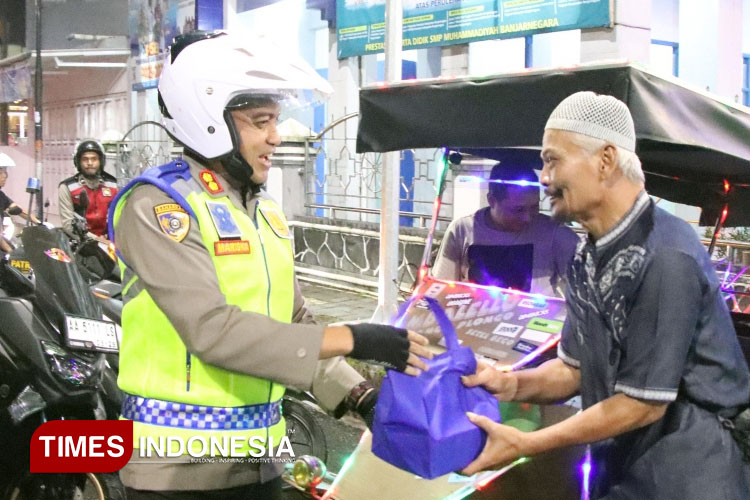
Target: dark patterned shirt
(646, 318)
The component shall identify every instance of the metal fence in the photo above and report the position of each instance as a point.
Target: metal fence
(145, 145)
(344, 185)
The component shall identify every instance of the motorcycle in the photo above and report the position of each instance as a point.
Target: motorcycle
(50, 369)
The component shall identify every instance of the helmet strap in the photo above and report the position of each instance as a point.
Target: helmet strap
(235, 164)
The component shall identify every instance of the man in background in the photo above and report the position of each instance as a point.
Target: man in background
(509, 243)
(99, 186)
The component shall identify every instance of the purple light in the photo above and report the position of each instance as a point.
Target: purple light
(736, 276)
(586, 469)
(520, 182)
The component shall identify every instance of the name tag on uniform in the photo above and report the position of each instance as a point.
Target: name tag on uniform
(224, 222)
(231, 247)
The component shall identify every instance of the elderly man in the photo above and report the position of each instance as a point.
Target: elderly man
(648, 341)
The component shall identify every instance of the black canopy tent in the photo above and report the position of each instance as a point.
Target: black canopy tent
(689, 142)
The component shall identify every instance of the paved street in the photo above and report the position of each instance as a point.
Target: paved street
(332, 305)
(551, 475)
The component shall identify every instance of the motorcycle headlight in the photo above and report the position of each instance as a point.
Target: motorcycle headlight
(69, 368)
(308, 471)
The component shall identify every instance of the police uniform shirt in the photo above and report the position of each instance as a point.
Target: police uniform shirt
(180, 277)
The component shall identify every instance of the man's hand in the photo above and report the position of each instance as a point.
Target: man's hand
(504, 445)
(392, 347)
(502, 385)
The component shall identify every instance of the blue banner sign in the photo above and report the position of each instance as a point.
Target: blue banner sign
(152, 27)
(427, 23)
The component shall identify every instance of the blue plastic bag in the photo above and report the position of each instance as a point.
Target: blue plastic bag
(420, 422)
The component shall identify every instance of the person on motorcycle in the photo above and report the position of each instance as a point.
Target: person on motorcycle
(648, 341)
(214, 324)
(8, 206)
(99, 186)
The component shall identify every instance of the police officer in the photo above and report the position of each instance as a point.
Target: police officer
(8, 206)
(99, 186)
(214, 325)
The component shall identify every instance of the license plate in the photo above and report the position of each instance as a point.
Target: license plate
(90, 334)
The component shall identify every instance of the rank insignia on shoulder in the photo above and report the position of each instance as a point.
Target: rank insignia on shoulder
(275, 221)
(173, 220)
(210, 182)
(231, 247)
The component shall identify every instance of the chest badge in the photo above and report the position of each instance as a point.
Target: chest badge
(107, 192)
(276, 222)
(224, 222)
(210, 182)
(173, 220)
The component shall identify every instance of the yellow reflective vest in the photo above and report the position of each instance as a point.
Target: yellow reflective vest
(171, 392)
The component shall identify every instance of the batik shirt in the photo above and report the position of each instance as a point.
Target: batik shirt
(646, 318)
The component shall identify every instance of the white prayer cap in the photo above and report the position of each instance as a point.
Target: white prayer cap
(600, 116)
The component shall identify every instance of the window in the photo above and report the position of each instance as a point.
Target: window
(664, 56)
(14, 128)
(746, 79)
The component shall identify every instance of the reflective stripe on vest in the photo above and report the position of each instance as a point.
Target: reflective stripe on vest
(158, 412)
(154, 361)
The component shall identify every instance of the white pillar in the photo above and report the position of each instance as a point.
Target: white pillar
(630, 37)
(711, 45)
(230, 15)
(454, 60)
(391, 175)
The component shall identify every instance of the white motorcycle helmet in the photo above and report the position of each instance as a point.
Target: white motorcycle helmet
(209, 73)
(6, 161)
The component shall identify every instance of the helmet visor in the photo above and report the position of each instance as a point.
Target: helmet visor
(289, 101)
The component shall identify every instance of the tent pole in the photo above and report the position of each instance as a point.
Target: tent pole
(719, 223)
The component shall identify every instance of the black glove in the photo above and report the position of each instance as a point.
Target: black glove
(382, 344)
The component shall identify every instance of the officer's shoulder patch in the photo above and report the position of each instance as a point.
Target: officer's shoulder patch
(173, 220)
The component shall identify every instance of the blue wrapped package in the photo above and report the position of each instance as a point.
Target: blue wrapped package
(420, 422)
